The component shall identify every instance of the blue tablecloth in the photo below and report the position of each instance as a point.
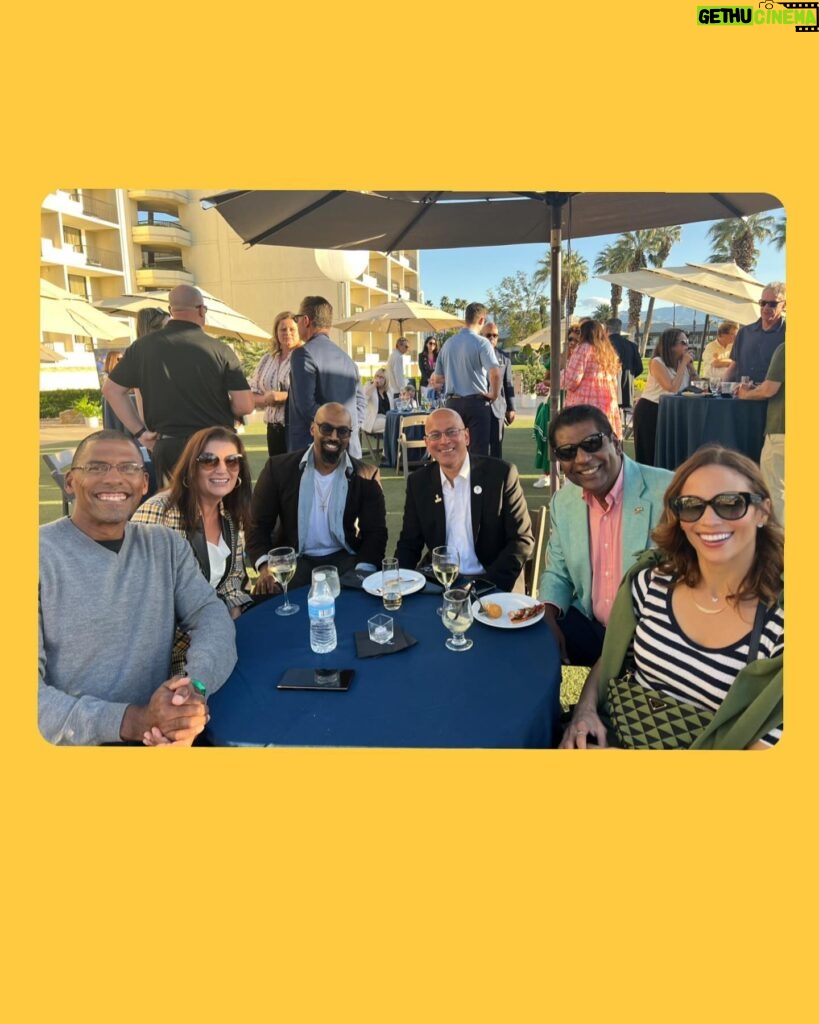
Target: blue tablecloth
(686, 422)
(392, 429)
(504, 692)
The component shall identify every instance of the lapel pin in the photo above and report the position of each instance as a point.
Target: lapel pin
(477, 489)
(438, 499)
(638, 508)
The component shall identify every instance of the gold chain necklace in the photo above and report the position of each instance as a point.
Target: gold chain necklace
(709, 611)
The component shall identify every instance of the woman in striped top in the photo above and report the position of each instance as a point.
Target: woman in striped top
(722, 556)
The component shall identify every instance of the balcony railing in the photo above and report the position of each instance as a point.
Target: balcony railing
(95, 207)
(159, 262)
(107, 258)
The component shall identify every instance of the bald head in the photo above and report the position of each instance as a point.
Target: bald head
(186, 303)
(490, 332)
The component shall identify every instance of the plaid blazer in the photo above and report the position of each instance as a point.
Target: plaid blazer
(157, 511)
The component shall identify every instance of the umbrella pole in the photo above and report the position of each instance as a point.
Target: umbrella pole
(556, 201)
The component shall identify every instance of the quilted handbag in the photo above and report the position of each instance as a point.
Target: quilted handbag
(642, 719)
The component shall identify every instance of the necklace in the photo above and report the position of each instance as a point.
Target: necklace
(709, 611)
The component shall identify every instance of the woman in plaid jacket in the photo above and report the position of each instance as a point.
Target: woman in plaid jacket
(208, 502)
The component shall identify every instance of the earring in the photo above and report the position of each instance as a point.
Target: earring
(238, 480)
(185, 482)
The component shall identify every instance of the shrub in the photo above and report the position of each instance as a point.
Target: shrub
(52, 403)
(87, 407)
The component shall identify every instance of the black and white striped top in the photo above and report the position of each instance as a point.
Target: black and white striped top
(668, 661)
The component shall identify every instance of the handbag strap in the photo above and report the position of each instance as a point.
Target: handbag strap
(756, 632)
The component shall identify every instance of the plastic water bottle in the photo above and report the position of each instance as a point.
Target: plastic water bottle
(321, 607)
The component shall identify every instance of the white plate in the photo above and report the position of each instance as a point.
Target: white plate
(411, 582)
(509, 602)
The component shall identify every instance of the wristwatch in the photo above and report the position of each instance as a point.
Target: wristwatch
(139, 434)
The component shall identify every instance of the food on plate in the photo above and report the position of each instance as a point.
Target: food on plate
(522, 614)
(494, 611)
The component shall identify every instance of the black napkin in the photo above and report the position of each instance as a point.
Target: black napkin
(354, 578)
(366, 648)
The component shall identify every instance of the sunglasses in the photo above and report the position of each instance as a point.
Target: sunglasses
(592, 443)
(728, 505)
(773, 303)
(327, 430)
(210, 460)
(490, 335)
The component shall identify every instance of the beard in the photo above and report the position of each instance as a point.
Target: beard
(331, 458)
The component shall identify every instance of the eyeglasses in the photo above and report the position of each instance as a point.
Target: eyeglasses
(210, 460)
(450, 433)
(592, 443)
(728, 505)
(101, 468)
(773, 303)
(299, 316)
(490, 335)
(328, 429)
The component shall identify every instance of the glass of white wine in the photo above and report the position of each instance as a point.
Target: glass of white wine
(457, 617)
(446, 564)
(281, 563)
(391, 584)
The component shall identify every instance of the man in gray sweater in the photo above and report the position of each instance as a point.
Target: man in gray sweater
(111, 594)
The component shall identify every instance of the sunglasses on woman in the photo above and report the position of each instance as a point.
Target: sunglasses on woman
(592, 443)
(210, 460)
(728, 505)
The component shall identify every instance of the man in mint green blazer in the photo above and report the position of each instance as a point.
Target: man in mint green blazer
(599, 522)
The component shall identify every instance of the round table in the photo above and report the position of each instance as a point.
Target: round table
(687, 422)
(504, 692)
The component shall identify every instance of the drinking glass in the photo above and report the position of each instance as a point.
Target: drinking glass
(715, 384)
(281, 562)
(446, 564)
(391, 584)
(380, 629)
(457, 617)
(331, 575)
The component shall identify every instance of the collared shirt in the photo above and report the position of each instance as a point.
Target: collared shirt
(606, 547)
(458, 513)
(754, 349)
(464, 363)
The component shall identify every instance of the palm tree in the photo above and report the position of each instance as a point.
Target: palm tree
(607, 263)
(737, 238)
(574, 271)
(778, 236)
(602, 313)
(635, 250)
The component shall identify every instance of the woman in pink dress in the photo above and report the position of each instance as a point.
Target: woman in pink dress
(592, 374)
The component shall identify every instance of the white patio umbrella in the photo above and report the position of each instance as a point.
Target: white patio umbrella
(399, 317)
(720, 289)
(64, 313)
(221, 320)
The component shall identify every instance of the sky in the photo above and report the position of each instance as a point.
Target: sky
(469, 273)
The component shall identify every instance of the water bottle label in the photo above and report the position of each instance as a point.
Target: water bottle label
(326, 611)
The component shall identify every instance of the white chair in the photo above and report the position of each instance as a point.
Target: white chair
(405, 443)
(374, 443)
(531, 566)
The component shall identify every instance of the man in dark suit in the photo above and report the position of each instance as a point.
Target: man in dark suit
(327, 506)
(629, 356)
(503, 408)
(320, 372)
(472, 502)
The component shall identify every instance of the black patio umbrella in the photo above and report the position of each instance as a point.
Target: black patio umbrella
(386, 221)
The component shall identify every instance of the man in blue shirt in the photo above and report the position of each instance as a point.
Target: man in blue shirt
(756, 343)
(467, 370)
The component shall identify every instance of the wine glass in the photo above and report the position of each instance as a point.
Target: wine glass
(457, 617)
(446, 564)
(715, 384)
(281, 563)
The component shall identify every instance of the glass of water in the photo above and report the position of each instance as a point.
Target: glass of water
(457, 617)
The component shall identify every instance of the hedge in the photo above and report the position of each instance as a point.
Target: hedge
(52, 403)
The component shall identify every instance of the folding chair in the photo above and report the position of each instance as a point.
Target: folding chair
(57, 464)
(403, 463)
(627, 416)
(531, 566)
(373, 442)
